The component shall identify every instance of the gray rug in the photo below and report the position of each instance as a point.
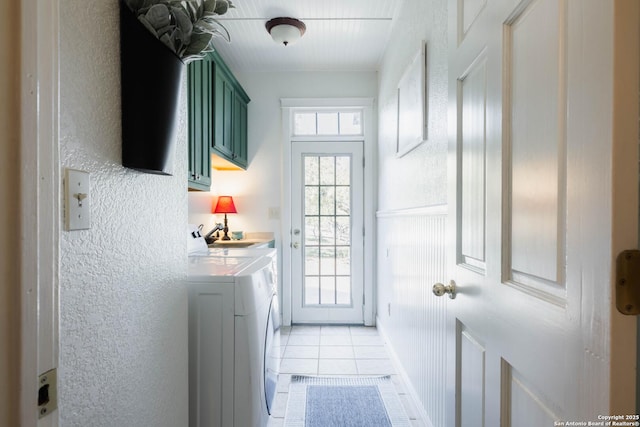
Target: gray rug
(344, 402)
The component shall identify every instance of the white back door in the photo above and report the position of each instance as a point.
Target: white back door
(327, 182)
(543, 196)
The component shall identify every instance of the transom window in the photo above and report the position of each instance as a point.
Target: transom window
(327, 123)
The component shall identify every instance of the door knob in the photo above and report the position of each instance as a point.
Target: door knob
(295, 245)
(439, 289)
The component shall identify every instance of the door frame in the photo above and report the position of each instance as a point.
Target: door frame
(39, 207)
(354, 150)
(288, 106)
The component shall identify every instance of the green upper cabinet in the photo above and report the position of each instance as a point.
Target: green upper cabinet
(217, 121)
(230, 112)
(200, 126)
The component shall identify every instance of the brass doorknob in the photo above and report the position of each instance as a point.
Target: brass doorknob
(439, 289)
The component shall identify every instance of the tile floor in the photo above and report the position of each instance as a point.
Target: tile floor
(334, 351)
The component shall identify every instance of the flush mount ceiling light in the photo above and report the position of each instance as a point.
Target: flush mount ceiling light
(285, 30)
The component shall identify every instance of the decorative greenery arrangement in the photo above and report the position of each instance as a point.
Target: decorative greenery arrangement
(187, 27)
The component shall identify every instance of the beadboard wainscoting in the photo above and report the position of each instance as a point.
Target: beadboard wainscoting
(411, 258)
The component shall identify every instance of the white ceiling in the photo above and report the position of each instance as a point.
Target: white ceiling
(341, 35)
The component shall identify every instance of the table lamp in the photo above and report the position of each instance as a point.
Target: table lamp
(225, 205)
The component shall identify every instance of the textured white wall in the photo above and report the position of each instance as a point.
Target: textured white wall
(418, 178)
(259, 187)
(123, 305)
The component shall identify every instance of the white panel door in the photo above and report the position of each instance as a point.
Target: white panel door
(543, 166)
(327, 182)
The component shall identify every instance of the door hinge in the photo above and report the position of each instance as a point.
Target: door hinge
(628, 282)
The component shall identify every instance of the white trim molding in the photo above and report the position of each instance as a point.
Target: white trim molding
(319, 103)
(39, 205)
(417, 211)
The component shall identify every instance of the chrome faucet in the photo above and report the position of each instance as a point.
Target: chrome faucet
(208, 237)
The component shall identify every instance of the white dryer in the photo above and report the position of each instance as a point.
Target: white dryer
(234, 338)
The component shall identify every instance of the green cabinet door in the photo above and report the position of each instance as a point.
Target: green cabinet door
(240, 143)
(200, 130)
(230, 115)
(223, 115)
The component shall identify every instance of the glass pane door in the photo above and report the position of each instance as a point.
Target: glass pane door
(327, 230)
(327, 218)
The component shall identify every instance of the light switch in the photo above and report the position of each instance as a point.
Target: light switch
(274, 213)
(77, 200)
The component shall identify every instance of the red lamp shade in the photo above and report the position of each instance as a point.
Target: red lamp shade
(225, 205)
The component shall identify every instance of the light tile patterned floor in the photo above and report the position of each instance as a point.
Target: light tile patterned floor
(334, 351)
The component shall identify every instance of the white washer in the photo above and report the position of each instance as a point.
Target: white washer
(234, 338)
